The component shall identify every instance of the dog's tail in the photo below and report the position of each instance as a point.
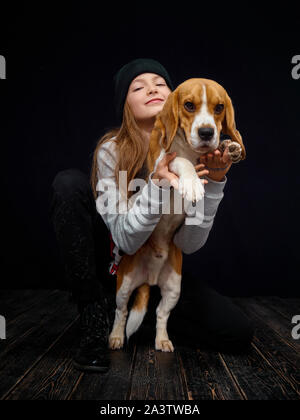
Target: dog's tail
(138, 310)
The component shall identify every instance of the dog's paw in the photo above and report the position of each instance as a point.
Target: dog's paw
(164, 345)
(234, 148)
(115, 343)
(191, 189)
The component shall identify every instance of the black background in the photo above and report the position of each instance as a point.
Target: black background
(57, 101)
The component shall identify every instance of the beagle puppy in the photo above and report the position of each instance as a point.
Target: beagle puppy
(190, 123)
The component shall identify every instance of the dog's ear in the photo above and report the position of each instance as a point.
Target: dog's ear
(164, 130)
(167, 120)
(228, 125)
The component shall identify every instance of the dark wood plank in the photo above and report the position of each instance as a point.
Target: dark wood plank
(112, 385)
(17, 327)
(273, 316)
(274, 341)
(15, 302)
(256, 378)
(286, 307)
(36, 358)
(30, 336)
(206, 376)
(270, 371)
(157, 375)
(53, 377)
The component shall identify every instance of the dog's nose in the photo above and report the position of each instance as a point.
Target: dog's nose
(206, 133)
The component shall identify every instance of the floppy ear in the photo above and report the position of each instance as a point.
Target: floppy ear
(164, 130)
(167, 120)
(228, 125)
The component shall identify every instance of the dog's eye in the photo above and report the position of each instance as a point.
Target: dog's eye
(189, 106)
(219, 108)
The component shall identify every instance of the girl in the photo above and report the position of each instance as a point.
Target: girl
(141, 89)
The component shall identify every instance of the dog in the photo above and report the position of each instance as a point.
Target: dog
(190, 123)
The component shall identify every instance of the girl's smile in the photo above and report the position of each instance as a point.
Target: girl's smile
(155, 101)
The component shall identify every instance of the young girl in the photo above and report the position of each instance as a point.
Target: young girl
(201, 317)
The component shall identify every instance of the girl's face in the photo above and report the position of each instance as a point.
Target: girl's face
(146, 96)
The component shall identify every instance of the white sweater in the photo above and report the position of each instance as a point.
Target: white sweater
(131, 229)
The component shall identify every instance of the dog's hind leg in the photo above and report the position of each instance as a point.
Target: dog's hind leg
(116, 337)
(170, 285)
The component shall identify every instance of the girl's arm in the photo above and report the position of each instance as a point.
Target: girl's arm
(132, 227)
(190, 238)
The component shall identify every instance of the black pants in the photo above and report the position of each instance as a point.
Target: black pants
(202, 317)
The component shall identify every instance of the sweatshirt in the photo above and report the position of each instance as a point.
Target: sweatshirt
(131, 227)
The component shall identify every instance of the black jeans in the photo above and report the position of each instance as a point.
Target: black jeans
(202, 317)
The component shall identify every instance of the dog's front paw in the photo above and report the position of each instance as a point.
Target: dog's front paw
(164, 345)
(234, 149)
(191, 188)
(115, 342)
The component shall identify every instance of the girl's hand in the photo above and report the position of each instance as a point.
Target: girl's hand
(217, 164)
(162, 169)
(201, 171)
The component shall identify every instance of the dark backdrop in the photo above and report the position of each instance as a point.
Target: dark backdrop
(57, 101)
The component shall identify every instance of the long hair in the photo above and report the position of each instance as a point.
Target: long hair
(131, 147)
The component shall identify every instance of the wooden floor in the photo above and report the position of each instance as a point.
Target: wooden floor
(42, 333)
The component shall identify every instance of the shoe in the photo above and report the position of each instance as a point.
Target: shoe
(93, 353)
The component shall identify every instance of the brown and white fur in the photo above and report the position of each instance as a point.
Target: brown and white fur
(159, 261)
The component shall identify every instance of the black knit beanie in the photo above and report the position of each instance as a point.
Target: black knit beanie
(130, 71)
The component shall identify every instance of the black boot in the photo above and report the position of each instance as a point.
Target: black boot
(93, 353)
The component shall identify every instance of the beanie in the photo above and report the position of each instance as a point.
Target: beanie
(130, 71)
